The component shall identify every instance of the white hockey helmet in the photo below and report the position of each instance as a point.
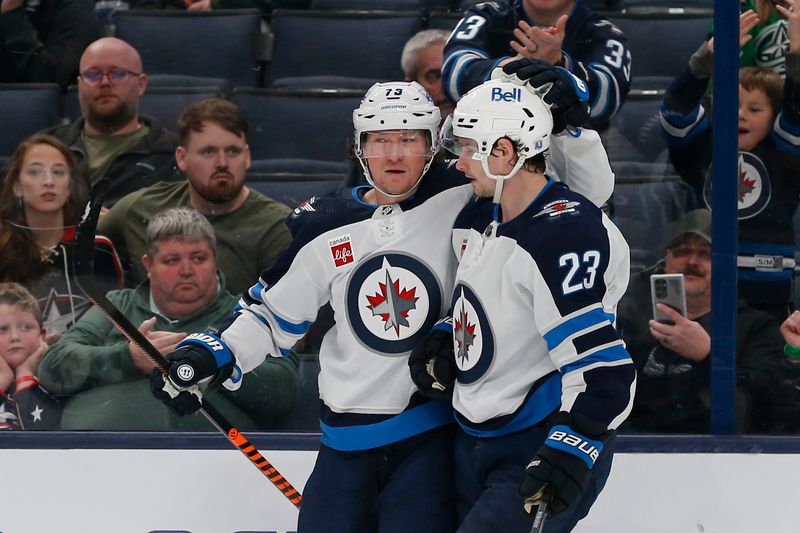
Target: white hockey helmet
(497, 109)
(393, 106)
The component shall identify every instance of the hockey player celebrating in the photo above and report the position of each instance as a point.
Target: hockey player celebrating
(541, 377)
(381, 256)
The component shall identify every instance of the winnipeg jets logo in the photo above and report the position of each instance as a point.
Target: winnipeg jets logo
(473, 340)
(393, 303)
(393, 299)
(558, 208)
(464, 334)
(753, 186)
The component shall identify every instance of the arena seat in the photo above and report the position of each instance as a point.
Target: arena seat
(302, 124)
(634, 132)
(674, 6)
(291, 188)
(660, 43)
(312, 43)
(227, 44)
(367, 5)
(26, 108)
(647, 198)
(442, 20)
(305, 415)
(163, 103)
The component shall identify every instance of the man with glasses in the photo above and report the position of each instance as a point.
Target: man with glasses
(674, 359)
(111, 139)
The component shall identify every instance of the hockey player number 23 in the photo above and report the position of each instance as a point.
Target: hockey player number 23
(581, 272)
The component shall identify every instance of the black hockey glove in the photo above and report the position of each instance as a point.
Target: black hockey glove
(199, 361)
(561, 466)
(568, 95)
(433, 363)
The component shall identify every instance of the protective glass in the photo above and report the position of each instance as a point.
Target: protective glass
(458, 145)
(115, 76)
(397, 143)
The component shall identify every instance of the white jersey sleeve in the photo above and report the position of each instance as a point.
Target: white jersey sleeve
(579, 160)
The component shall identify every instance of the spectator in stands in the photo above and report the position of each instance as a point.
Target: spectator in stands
(764, 37)
(40, 203)
(674, 360)
(562, 32)
(105, 376)
(769, 161)
(42, 40)
(214, 155)
(24, 403)
(421, 61)
(112, 139)
(265, 6)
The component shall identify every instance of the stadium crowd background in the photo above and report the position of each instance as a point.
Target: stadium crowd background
(297, 69)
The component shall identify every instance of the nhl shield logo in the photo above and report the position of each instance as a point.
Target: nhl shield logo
(393, 300)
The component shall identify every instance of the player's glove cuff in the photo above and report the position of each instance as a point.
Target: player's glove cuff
(200, 357)
(566, 439)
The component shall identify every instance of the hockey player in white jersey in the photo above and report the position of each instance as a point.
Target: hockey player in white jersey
(541, 377)
(381, 256)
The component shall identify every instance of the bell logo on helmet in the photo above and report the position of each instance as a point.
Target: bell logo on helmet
(499, 95)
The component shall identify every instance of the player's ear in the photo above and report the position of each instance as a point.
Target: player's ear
(504, 149)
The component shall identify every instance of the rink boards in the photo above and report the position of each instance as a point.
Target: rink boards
(142, 483)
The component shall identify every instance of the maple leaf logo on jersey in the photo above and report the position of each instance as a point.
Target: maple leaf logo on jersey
(392, 303)
(464, 333)
(746, 185)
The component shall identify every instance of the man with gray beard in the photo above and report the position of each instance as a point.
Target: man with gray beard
(111, 139)
(214, 155)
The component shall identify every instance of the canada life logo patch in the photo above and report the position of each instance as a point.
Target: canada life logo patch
(341, 250)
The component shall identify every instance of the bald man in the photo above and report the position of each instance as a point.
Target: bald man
(111, 138)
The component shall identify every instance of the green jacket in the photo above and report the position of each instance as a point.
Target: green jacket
(249, 239)
(92, 367)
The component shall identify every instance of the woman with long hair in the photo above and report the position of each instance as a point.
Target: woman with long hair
(40, 204)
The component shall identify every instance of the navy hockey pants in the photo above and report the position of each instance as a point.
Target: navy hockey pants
(400, 488)
(488, 474)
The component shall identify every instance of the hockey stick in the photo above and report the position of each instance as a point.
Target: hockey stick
(85, 276)
(542, 512)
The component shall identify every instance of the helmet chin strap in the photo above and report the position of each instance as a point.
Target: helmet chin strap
(368, 175)
(498, 186)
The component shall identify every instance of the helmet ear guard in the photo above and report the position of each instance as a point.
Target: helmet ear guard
(393, 106)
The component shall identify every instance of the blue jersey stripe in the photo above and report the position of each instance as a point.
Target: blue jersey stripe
(606, 355)
(418, 420)
(556, 336)
(545, 400)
